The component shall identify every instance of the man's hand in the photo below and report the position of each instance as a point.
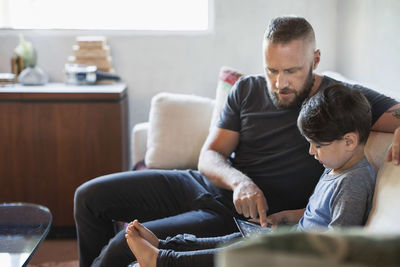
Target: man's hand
(394, 151)
(250, 201)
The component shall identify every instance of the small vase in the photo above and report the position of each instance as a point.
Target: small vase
(33, 76)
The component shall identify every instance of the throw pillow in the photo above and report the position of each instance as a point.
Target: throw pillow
(178, 127)
(226, 79)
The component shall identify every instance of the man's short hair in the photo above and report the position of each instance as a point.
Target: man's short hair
(334, 111)
(289, 28)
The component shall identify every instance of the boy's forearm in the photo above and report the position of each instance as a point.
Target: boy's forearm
(293, 216)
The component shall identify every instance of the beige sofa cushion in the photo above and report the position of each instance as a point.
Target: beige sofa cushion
(178, 127)
(384, 216)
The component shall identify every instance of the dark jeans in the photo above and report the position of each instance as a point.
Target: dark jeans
(167, 202)
(188, 250)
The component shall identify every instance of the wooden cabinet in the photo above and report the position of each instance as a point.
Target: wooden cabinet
(55, 137)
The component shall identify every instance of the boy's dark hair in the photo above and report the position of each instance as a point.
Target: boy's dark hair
(289, 28)
(334, 111)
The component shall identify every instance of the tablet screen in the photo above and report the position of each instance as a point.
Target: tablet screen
(249, 229)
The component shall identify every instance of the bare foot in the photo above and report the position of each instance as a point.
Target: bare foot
(145, 253)
(144, 232)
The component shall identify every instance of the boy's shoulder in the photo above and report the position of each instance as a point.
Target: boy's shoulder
(363, 166)
(360, 173)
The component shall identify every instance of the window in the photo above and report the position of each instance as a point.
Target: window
(170, 15)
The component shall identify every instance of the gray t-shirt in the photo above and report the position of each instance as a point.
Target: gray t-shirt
(271, 150)
(343, 199)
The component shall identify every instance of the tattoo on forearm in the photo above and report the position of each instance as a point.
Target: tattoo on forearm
(395, 112)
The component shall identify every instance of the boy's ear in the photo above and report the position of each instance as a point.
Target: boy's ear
(351, 140)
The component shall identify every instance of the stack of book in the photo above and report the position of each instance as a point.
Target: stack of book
(92, 51)
(7, 78)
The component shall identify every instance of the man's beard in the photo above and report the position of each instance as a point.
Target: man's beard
(299, 96)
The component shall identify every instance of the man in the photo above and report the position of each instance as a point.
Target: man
(256, 156)
(290, 58)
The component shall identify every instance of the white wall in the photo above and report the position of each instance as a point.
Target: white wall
(368, 43)
(190, 64)
(359, 38)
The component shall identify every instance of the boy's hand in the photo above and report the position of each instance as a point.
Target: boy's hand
(286, 217)
(279, 218)
(250, 201)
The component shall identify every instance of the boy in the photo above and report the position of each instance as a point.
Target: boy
(336, 123)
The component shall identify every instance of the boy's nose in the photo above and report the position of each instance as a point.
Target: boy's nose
(311, 150)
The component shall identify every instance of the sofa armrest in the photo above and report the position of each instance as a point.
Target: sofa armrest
(139, 142)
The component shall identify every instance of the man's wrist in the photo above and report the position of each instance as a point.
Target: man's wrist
(240, 181)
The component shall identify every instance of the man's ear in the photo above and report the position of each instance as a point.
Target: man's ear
(316, 59)
(351, 140)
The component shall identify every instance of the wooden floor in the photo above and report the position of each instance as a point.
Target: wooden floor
(56, 251)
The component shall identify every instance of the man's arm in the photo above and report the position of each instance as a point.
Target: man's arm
(248, 199)
(390, 122)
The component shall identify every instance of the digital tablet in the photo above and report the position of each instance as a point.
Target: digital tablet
(248, 229)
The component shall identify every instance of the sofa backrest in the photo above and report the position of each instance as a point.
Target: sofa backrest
(376, 148)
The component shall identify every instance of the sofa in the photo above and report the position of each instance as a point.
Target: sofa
(172, 138)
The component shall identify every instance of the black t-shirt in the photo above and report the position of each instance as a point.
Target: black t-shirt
(271, 150)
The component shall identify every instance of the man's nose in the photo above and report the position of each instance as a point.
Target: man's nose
(281, 81)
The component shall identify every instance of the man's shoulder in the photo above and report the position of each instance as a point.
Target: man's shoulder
(327, 80)
(250, 85)
(256, 79)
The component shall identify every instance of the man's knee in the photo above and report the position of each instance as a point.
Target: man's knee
(92, 189)
(83, 194)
